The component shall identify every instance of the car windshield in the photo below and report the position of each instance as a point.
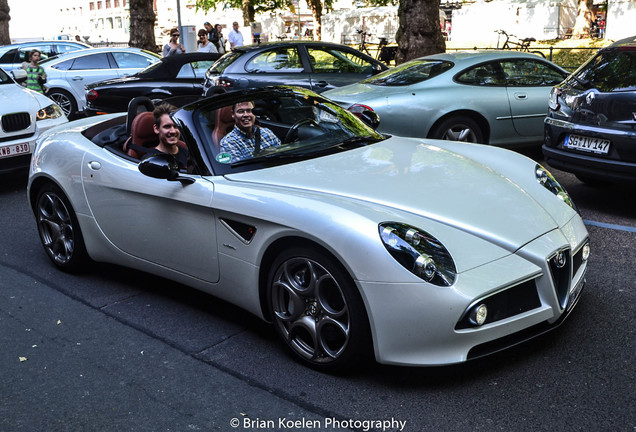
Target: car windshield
(289, 126)
(410, 73)
(221, 64)
(611, 70)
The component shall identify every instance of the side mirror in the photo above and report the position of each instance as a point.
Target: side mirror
(19, 75)
(163, 166)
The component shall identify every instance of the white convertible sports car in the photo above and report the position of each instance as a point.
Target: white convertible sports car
(415, 251)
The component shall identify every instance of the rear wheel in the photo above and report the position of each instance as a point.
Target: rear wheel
(317, 310)
(59, 229)
(459, 128)
(64, 100)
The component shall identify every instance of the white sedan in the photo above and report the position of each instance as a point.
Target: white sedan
(413, 251)
(24, 115)
(69, 74)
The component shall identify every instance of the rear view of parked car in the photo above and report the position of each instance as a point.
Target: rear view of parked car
(591, 125)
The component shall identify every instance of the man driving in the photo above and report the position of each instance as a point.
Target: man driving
(246, 139)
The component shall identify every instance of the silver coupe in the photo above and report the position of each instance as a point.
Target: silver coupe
(490, 97)
(354, 245)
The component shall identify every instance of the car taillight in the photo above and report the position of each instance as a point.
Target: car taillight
(91, 95)
(224, 82)
(553, 100)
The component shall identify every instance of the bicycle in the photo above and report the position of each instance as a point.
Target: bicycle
(384, 53)
(522, 45)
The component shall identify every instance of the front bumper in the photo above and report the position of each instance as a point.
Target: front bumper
(418, 324)
(618, 165)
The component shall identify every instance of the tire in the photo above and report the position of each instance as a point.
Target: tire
(59, 229)
(317, 310)
(64, 100)
(459, 128)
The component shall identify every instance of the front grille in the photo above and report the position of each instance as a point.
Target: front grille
(16, 122)
(560, 268)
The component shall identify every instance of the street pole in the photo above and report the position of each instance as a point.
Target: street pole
(179, 19)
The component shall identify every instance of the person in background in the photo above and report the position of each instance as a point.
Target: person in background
(36, 77)
(212, 35)
(220, 44)
(204, 45)
(235, 37)
(173, 47)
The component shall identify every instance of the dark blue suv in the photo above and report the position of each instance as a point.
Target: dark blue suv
(590, 129)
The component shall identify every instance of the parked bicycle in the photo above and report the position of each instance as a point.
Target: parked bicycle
(384, 53)
(519, 44)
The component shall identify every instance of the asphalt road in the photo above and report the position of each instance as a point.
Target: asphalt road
(115, 350)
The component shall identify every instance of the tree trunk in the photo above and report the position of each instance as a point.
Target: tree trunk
(419, 33)
(5, 39)
(316, 11)
(142, 25)
(248, 12)
(583, 23)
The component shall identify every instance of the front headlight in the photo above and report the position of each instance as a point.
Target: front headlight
(419, 252)
(50, 112)
(550, 183)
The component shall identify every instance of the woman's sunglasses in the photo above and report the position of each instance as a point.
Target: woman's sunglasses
(174, 34)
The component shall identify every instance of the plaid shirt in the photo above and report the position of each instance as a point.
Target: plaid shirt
(240, 146)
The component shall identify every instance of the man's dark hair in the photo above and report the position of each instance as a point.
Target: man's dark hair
(242, 102)
(164, 108)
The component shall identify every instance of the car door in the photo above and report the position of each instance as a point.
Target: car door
(164, 222)
(528, 83)
(277, 66)
(333, 67)
(88, 69)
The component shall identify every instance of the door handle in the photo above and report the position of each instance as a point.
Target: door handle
(321, 84)
(94, 165)
(521, 96)
(77, 78)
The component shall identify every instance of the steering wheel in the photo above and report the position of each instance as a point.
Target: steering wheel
(294, 129)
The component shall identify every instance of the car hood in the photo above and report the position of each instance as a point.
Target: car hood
(423, 178)
(22, 100)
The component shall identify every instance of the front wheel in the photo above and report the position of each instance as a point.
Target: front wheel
(459, 128)
(317, 311)
(59, 229)
(64, 100)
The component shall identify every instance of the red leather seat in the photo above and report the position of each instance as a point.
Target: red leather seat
(142, 135)
(223, 124)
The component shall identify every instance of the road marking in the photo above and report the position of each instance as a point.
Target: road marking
(610, 226)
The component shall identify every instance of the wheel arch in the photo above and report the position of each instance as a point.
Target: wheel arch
(474, 115)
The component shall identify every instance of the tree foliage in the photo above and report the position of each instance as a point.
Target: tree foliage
(5, 39)
(142, 25)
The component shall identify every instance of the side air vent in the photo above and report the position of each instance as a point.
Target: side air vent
(242, 231)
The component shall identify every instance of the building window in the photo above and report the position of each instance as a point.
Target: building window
(99, 5)
(91, 6)
(107, 4)
(116, 3)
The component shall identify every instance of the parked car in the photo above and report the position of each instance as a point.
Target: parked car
(12, 56)
(419, 252)
(174, 76)
(491, 97)
(24, 116)
(68, 75)
(591, 125)
(318, 66)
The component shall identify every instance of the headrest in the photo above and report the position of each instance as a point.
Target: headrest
(143, 133)
(225, 115)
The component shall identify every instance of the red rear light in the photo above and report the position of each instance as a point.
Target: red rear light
(224, 82)
(358, 109)
(91, 95)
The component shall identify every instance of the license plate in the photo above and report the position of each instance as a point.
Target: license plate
(587, 144)
(14, 149)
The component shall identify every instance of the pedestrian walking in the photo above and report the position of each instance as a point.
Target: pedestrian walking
(173, 47)
(235, 37)
(36, 77)
(204, 45)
